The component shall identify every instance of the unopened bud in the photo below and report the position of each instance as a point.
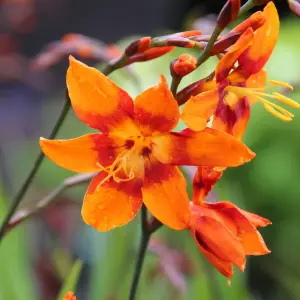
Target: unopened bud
(191, 90)
(294, 6)
(138, 46)
(149, 54)
(183, 65)
(229, 13)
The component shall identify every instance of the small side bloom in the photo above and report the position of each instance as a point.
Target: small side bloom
(235, 89)
(225, 235)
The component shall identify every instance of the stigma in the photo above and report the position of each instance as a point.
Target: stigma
(255, 95)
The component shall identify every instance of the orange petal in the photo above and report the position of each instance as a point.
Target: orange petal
(254, 59)
(204, 179)
(257, 80)
(164, 194)
(230, 58)
(233, 121)
(250, 238)
(218, 240)
(209, 148)
(81, 154)
(97, 101)
(198, 109)
(256, 220)
(111, 204)
(223, 266)
(156, 109)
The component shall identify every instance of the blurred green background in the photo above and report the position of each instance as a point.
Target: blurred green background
(37, 258)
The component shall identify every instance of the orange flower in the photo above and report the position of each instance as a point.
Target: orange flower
(225, 234)
(69, 296)
(136, 154)
(236, 88)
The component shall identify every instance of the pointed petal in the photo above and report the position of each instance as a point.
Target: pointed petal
(96, 100)
(233, 121)
(203, 181)
(164, 194)
(219, 240)
(155, 109)
(256, 220)
(250, 238)
(111, 204)
(223, 266)
(230, 58)
(198, 109)
(209, 148)
(81, 154)
(254, 59)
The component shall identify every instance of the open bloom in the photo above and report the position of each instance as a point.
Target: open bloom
(235, 88)
(136, 154)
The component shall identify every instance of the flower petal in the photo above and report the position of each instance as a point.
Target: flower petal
(155, 109)
(233, 121)
(111, 204)
(82, 154)
(209, 148)
(250, 238)
(218, 239)
(256, 220)
(96, 100)
(230, 58)
(254, 59)
(198, 109)
(164, 194)
(223, 266)
(204, 179)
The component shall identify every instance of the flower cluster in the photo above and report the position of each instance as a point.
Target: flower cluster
(137, 152)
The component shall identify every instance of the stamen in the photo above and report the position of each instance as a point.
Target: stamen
(280, 83)
(257, 94)
(119, 164)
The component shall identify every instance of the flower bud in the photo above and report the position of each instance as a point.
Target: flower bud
(183, 65)
(69, 296)
(294, 6)
(228, 13)
(138, 46)
(149, 54)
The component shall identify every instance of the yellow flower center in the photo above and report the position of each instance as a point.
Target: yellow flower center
(130, 161)
(258, 95)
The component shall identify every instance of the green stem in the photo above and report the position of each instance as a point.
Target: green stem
(206, 52)
(18, 198)
(246, 7)
(174, 84)
(141, 254)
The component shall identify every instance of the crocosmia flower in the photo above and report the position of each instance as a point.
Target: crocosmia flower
(241, 81)
(224, 233)
(135, 154)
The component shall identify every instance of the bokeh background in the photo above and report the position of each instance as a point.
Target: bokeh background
(37, 258)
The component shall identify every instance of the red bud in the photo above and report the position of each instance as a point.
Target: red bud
(229, 13)
(183, 65)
